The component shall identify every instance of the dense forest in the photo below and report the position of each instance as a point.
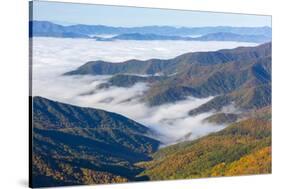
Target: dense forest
(242, 148)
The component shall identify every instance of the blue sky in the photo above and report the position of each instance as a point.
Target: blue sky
(74, 13)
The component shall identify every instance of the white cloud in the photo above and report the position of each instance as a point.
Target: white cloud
(54, 56)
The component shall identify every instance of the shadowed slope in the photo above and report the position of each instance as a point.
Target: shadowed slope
(74, 145)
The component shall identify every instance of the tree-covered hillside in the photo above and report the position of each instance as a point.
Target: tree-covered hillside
(74, 145)
(241, 148)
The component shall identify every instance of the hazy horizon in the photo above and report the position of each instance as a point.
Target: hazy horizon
(62, 23)
(126, 16)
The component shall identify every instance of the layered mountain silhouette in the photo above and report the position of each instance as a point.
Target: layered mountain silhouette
(221, 36)
(221, 33)
(74, 145)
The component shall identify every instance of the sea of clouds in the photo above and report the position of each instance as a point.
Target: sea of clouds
(54, 56)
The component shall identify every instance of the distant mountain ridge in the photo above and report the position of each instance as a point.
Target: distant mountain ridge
(221, 36)
(250, 34)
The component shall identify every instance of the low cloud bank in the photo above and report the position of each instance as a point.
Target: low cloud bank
(171, 122)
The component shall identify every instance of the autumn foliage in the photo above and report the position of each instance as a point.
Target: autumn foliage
(242, 148)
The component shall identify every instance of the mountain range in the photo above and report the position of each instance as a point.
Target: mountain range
(221, 33)
(241, 76)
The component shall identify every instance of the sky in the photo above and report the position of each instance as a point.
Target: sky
(74, 13)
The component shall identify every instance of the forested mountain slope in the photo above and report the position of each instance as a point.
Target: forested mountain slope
(74, 145)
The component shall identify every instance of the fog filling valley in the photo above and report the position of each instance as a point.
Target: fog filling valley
(54, 56)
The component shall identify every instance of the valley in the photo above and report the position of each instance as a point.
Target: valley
(193, 115)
